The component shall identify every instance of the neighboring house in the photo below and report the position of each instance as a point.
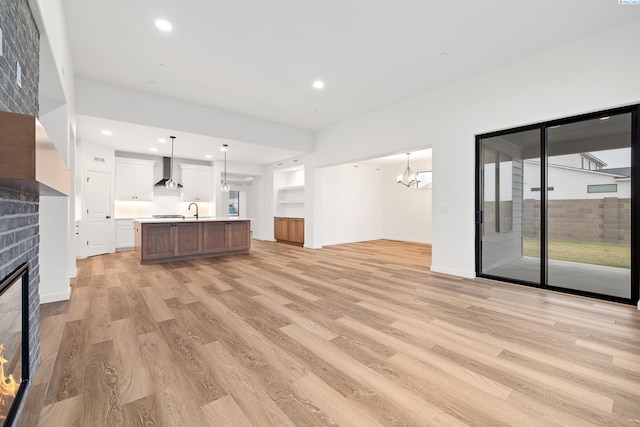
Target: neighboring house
(577, 176)
(586, 200)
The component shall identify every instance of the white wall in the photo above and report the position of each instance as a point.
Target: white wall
(406, 211)
(54, 272)
(352, 208)
(57, 109)
(361, 202)
(591, 74)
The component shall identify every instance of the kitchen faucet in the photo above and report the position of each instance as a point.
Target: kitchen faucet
(196, 215)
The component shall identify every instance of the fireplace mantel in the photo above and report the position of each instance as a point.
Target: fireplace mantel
(29, 161)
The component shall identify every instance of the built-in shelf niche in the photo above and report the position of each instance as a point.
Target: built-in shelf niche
(289, 192)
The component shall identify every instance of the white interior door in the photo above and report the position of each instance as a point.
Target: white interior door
(98, 212)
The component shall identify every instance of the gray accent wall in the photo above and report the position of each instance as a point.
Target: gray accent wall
(19, 230)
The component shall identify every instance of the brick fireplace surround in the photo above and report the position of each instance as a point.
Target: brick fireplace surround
(19, 231)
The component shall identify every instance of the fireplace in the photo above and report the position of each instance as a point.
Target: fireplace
(14, 342)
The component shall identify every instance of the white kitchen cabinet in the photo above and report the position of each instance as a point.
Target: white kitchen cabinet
(134, 179)
(196, 183)
(125, 234)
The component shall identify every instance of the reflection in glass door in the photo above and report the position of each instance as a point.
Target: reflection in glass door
(510, 238)
(589, 205)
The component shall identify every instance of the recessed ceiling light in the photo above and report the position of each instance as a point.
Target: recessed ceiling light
(208, 156)
(163, 25)
(162, 140)
(318, 84)
(154, 149)
(605, 118)
(107, 132)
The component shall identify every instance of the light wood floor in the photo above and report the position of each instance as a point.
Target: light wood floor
(351, 335)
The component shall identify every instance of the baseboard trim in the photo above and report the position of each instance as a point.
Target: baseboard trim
(453, 272)
(45, 299)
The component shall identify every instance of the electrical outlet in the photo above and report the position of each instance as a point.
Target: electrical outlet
(18, 74)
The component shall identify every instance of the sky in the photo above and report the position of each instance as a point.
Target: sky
(618, 158)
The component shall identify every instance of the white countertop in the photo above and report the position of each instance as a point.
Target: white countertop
(192, 219)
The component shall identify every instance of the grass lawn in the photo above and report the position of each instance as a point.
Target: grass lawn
(612, 255)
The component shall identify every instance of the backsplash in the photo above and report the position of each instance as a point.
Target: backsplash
(161, 205)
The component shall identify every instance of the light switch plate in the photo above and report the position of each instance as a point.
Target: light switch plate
(18, 74)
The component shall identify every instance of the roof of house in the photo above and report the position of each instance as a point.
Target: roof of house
(625, 171)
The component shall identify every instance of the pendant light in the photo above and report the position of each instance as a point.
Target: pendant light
(408, 178)
(224, 187)
(171, 184)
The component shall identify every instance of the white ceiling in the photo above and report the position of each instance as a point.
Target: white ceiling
(259, 58)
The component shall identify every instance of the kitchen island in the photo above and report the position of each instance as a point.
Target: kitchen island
(174, 239)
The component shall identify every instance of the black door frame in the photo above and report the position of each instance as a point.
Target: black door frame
(635, 201)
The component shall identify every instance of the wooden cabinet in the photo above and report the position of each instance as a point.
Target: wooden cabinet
(296, 230)
(168, 241)
(188, 239)
(238, 235)
(158, 241)
(134, 179)
(289, 230)
(281, 228)
(215, 239)
(229, 236)
(196, 183)
(171, 240)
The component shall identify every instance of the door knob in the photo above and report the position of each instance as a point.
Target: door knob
(107, 217)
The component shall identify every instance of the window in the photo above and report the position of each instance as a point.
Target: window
(234, 203)
(602, 188)
(538, 188)
(425, 179)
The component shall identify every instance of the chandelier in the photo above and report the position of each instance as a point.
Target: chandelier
(408, 178)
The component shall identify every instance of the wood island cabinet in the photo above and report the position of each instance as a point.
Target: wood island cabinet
(226, 236)
(289, 230)
(170, 241)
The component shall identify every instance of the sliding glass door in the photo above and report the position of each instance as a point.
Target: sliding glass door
(589, 205)
(555, 203)
(510, 224)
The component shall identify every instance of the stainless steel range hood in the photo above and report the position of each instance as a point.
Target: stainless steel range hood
(29, 161)
(166, 172)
